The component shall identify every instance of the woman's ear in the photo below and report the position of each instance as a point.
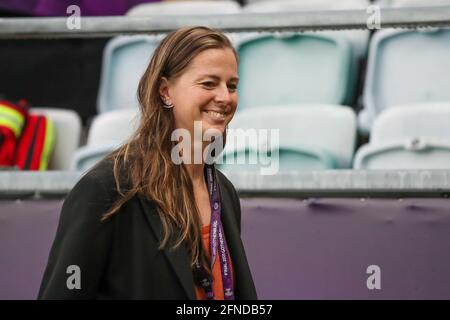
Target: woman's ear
(164, 90)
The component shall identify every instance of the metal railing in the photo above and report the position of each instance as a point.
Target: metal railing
(277, 21)
(326, 183)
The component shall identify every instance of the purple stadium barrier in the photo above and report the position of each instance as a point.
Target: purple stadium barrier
(59, 7)
(321, 248)
(27, 229)
(297, 249)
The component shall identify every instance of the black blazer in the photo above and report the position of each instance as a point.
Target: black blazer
(119, 258)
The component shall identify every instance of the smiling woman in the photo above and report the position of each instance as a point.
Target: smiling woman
(206, 91)
(138, 225)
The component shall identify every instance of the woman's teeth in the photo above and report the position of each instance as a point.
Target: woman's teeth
(216, 115)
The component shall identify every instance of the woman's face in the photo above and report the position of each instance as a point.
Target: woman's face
(206, 91)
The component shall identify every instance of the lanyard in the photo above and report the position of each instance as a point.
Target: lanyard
(218, 243)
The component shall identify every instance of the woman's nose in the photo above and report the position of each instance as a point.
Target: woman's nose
(223, 94)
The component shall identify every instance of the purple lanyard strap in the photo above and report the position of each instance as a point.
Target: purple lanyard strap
(217, 242)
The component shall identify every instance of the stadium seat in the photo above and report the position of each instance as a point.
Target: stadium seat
(125, 59)
(309, 138)
(293, 69)
(325, 71)
(358, 38)
(405, 67)
(184, 7)
(408, 137)
(108, 131)
(67, 124)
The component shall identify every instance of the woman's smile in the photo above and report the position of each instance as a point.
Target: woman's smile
(215, 116)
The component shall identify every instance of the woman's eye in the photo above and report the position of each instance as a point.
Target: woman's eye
(232, 87)
(208, 84)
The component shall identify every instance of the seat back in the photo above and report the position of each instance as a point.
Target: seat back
(293, 69)
(405, 67)
(307, 137)
(408, 137)
(114, 126)
(125, 60)
(107, 132)
(428, 120)
(67, 125)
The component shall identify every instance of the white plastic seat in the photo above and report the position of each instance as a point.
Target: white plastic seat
(340, 54)
(408, 137)
(67, 124)
(358, 38)
(108, 131)
(319, 137)
(293, 69)
(405, 67)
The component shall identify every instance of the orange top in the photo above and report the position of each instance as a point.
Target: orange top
(216, 272)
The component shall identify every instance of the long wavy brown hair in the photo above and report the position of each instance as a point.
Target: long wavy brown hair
(145, 157)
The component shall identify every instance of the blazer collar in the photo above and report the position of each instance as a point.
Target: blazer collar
(179, 257)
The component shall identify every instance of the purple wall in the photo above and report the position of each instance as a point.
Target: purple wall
(297, 249)
(27, 229)
(59, 7)
(321, 248)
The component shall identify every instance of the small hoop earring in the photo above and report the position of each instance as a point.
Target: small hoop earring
(165, 104)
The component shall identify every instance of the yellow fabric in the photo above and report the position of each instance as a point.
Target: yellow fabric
(48, 144)
(12, 119)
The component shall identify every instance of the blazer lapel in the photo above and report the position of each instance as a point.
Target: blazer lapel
(179, 257)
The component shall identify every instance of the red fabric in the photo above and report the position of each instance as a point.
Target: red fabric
(25, 145)
(7, 147)
(8, 140)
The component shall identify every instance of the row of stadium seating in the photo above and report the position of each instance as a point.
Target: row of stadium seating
(404, 67)
(307, 138)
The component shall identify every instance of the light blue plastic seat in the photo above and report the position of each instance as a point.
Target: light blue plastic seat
(298, 158)
(405, 67)
(357, 39)
(125, 59)
(307, 138)
(283, 69)
(408, 137)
